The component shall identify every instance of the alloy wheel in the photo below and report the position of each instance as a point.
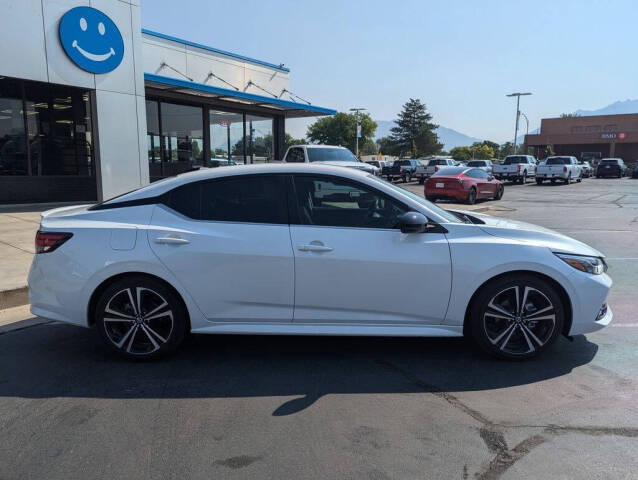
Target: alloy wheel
(519, 320)
(138, 321)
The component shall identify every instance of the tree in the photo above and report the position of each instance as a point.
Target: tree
(494, 146)
(386, 146)
(482, 151)
(569, 115)
(461, 153)
(414, 131)
(507, 149)
(341, 129)
(290, 141)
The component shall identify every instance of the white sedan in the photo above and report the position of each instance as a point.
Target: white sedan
(301, 250)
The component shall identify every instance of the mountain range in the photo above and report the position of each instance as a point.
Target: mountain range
(448, 137)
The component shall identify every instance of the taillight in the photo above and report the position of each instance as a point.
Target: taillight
(46, 242)
(565, 169)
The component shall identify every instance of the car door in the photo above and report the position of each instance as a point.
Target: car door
(348, 248)
(228, 242)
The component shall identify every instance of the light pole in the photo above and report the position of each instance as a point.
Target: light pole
(357, 112)
(518, 112)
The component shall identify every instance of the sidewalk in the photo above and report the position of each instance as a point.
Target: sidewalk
(18, 225)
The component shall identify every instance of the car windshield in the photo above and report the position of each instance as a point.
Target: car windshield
(450, 171)
(477, 163)
(438, 162)
(319, 154)
(401, 163)
(514, 160)
(557, 161)
(439, 211)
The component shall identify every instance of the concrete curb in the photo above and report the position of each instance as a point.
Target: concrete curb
(14, 297)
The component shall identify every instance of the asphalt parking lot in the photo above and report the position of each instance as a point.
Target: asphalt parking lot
(290, 407)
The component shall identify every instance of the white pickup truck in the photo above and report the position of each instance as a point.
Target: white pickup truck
(559, 168)
(327, 154)
(430, 167)
(515, 168)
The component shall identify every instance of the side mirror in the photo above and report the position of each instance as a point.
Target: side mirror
(413, 222)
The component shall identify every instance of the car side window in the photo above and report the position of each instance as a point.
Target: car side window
(296, 155)
(334, 202)
(251, 199)
(186, 200)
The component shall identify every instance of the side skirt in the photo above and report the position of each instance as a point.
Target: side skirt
(333, 329)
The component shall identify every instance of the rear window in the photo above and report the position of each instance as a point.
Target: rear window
(609, 162)
(558, 161)
(450, 171)
(438, 162)
(477, 163)
(514, 160)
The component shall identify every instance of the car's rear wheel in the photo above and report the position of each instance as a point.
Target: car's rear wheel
(140, 317)
(471, 196)
(517, 317)
(499, 192)
(539, 181)
(421, 180)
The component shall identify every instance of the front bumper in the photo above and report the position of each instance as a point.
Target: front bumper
(588, 297)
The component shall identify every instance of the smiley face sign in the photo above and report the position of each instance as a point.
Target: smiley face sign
(91, 40)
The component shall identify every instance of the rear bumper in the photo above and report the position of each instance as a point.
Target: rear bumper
(460, 195)
(561, 175)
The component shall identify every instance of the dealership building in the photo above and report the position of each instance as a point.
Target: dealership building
(597, 136)
(92, 105)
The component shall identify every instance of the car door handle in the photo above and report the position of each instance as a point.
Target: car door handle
(172, 240)
(314, 248)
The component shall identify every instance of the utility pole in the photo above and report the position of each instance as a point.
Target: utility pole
(357, 113)
(518, 113)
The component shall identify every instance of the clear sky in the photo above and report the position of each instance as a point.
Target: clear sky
(460, 57)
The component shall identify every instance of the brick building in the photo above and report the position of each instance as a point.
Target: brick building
(604, 135)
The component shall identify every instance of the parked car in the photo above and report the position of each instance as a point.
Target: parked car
(517, 168)
(237, 250)
(327, 155)
(434, 165)
(485, 165)
(564, 168)
(611, 167)
(586, 169)
(380, 164)
(464, 184)
(404, 169)
(634, 173)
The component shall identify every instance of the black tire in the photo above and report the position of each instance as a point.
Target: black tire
(139, 317)
(421, 180)
(524, 178)
(502, 331)
(539, 181)
(406, 178)
(471, 196)
(568, 180)
(499, 192)
(553, 180)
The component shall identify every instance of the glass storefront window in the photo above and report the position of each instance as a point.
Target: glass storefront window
(182, 137)
(13, 151)
(259, 139)
(226, 134)
(56, 122)
(153, 140)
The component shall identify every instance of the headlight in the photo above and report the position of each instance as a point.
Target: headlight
(593, 265)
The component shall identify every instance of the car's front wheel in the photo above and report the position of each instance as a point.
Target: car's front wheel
(140, 317)
(516, 317)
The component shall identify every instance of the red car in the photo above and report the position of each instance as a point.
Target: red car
(463, 184)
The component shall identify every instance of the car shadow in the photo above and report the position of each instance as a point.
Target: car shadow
(55, 360)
